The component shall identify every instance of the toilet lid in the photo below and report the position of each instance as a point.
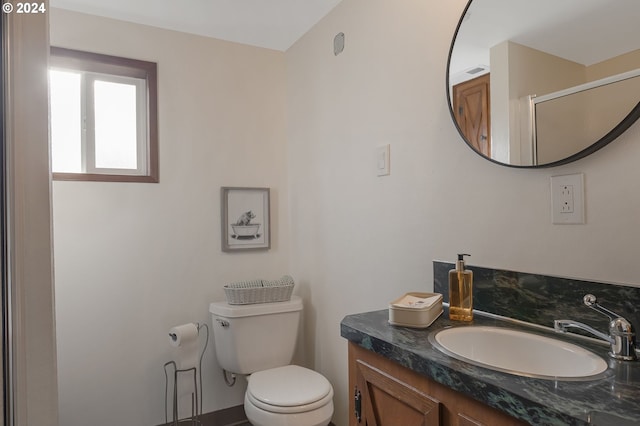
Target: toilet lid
(288, 386)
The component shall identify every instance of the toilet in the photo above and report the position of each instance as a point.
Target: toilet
(259, 341)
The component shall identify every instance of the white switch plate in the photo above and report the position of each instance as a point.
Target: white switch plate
(567, 199)
(382, 160)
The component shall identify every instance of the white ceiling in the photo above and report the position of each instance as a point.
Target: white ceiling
(552, 26)
(583, 31)
(272, 24)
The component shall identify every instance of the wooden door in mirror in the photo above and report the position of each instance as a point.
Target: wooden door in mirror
(471, 104)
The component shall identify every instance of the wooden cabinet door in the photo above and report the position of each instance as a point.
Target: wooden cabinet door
(471, 106)
(387, 401)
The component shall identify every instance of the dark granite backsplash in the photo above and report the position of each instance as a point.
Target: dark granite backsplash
(540, 299)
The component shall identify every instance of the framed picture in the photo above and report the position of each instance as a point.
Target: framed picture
(245, 219)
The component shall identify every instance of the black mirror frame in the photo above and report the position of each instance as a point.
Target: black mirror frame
(619, 129)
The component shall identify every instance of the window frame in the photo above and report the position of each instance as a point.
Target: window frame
(114, 66)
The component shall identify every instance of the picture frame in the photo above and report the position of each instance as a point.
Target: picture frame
(245, 219)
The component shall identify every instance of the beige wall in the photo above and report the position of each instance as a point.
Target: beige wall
(518, 71)
(352, 240)
(133, 260)
(623, 63)
(534, 72)
(359, 241)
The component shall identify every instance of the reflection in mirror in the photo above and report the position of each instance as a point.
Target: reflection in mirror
(545, 82)
(566, 122)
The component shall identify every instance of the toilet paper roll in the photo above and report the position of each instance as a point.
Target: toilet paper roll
(183, 334)
(185, 339)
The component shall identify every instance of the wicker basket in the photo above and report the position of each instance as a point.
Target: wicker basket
(259, 291)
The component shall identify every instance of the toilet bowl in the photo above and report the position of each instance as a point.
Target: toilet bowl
(259, 341)
(288, 396)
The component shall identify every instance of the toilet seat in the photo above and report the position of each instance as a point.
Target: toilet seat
(289, 389)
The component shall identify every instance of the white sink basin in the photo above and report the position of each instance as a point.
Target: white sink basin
(519, 352)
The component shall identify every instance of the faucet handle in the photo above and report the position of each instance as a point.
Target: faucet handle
(621, 333)
(591, 301)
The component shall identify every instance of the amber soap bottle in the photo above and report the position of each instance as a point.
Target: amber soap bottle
(461, 292)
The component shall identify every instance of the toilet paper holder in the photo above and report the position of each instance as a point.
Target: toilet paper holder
(196, 395)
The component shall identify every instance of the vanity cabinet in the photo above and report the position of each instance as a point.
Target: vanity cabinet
(384, 393)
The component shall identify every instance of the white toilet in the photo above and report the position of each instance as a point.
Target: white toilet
(259, 340)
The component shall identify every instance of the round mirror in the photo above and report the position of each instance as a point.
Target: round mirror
(539, 83)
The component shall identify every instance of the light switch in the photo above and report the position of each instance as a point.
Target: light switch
(382, 160)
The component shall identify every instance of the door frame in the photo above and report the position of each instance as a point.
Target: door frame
(29, 350)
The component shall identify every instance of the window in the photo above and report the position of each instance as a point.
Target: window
(103, 117)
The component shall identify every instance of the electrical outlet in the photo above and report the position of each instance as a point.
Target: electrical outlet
(567, 199)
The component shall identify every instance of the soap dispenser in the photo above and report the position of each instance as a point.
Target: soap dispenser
(461, 292)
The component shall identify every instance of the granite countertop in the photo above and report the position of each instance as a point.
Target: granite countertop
(610, 401)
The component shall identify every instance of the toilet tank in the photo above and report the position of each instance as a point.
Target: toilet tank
(250, 338)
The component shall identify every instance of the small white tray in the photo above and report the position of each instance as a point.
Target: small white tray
(416, 310)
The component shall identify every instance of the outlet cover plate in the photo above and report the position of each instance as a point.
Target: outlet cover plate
(567, 199)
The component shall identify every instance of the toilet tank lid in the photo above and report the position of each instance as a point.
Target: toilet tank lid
(224, 309)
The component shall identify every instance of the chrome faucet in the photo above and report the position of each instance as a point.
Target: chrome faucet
(622, 337)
